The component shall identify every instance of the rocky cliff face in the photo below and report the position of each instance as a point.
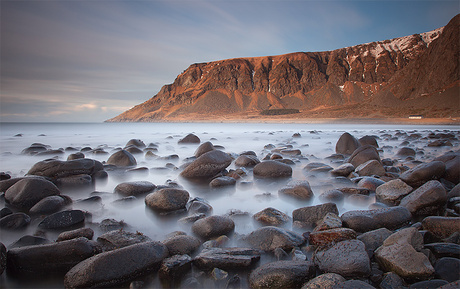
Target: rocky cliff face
(367, 76)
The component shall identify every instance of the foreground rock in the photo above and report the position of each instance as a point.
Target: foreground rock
(50, 258)
(28, 191)
(271, 217)
(63, 220)
(56, 169)
(122, 158)
(299, 190)
(346, 144)
(426, 199)
(282, 274)
(182, 245)
(226, 259)
(119, 238)
(309, 217)
(213, 226)
(391, 193)
(423, 173)
(324, 281)
(114, 268)
(167, 200)
(441, 227)
(368, 220)
(270, 238)
(207, 165)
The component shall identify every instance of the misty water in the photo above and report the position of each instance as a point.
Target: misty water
(249, 196)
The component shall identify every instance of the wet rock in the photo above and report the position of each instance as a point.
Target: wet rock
(119, 238)
(191, 219)
(281, 274)
(5, 212)
(423, 173)
(49, 205)
(14, 221)
(182, 244)
(363, 154)
(374, 239)
(63, 220)
(204, 148)
(448, 269)
(207, 165)
(441, 227)
(199, 205)
(329, 221)
(122, 158)
(327, 237)
(35, 149)
(368, 220)
(291, 152)
(441, 250)
(213, 226)
(88, 233)
(114, 268)
(228, 258)
(56, 169)
(299, 190)
(271, 217)
(134, 188)
(429, 284)
(369, 140)
(270, 238)
(29, 240)
(347, 258)
(246, 161)
(391, 193)
(136, 142)
(399, 254)
(452, 161)
(352, 284)
(76, 156)
(167, 200)
(223, 181)
(76, 181)
(355, 191)
(272, 169)
(324, 281)
(431, 194)
(370, 168)
(406, 152)
(189, 139)
(343, 170)
(310, 216)
(346, 144)
(332, 196)
(451, 285)
(316, 167)
(50, 258)
(28, 191)
(370, 183)
(391, 280)
(175, 267)
(2, 258)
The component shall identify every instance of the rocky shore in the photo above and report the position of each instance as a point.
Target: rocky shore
(406, 233)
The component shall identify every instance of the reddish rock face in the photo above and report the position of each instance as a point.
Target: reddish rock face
(378, 75)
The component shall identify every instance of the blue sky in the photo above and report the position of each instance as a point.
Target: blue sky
(91, 60)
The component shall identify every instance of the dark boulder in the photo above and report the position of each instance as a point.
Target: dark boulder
(310, 216)
(207, 165)
(369, 140)
(423, 173)
(229, 258)
(299, 190)
(49, 205)
(204, 148)
(324, 281)
(2, 258)
(63, 220)
(448, 269)
(272, 169)
(136, 142)
(182, 244)
(452, 161)
(431, 194)
(122, 158)
(213, 226)
(175, 268)
(189, 139)
(14, 221)
(270, 238)
(327, 237)
(29, 240)
(441, 250)
(246, 161)
(28, 191)
(223, 181)
(56, 169)
(167, 199)
(120, 238)
(368, 220)
(441, 227)
(346, 144)
(391, 193)
(271, 217)
(88, 233)
(282, 274)
(134, 188)
(363, 154)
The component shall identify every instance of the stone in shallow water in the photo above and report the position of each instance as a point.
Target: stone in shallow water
(423, 173)
(27, 192)
(282, 274)
(368, 220)
(134, 188)
(207, 165)
(228, 258)
(271, 217)
(270, 238)
(167, 200)
(213, 226)
(62, 220)
(272, 169)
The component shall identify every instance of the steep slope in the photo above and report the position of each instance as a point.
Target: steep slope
(353, 81)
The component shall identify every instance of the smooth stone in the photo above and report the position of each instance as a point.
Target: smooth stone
(167, 200)
(406, 152)
(15, 221)
(370, 183)
(29, 240)
(441, 227)
(114, 268)
(228, 258)
(281, 274)
(56, 257)
(310, 216)
(175, 267)
(452, 161)
(431, 194)
(189, 139)
(134, 188)
(119, 238)
(324, 281)
(136, 142)
(370, 168)
(204, 148)
(271, 217)
(391, 280)
(423, 173)
(88, 233)
(223, 181)
(299, 190)
(346, 258)
(272, 169)
(49, 205)
(56, 169)
(316, 167)
(369, 140)
(391, 192)
(182, 244)
(270, 238)
(207, 165)
(247, 161)
(2, 258)
(5, 212)
(347, 144)
(429, 284)
(367, 220)
(343, 170)
(75, 156)
(447, 268)
(441, 250)
(75, 181)
(28, 191)
(327, 237)
(122, 158)
(363, 154)
(213, 226)
(199, 205)
(62, 220)
(329, 221)
(332, 196)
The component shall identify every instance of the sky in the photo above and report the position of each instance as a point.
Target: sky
(90, 60)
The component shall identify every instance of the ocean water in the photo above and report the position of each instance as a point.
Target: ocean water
(249, 196)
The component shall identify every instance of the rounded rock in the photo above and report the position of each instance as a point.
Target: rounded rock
(167, 199)
(122, 158)
(134, 188)
(29, 191)
(213, 226)
(272, 169)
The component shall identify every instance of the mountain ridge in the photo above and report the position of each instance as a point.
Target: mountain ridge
(360, 79)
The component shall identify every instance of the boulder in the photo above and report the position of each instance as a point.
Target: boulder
(88, 233)
(213, 226)
(29, 240)
(369, 140)
(136, 142)
(63, 220)
(204, 148)
(329, 221)
(391, 280)
(270, 238)
(49, 205)
(324, 281)
(223, 181)
(327, 237)
(189, 139)
(226, 259)
(344, 170)
(346, 258)
(423, 173)
(299, 190)
(374, 239)
(370, 168)
(441, 250)
(441, 227)
(391, 193)
(370, 183)
(199, 206)
(182, 244)
(271, 217)
(406, 152)
(28, 191)
(346, 144)
(15, 221)
(246, 161)
(134, 188)
(353, 284)
(122, 158)
(117, 267)
(51, 258)
(363, 154)
(175, 267)
(207, 165)
(448, 269)
(367, 220)
(431, 194)
(332, 196)
(281, 274)
(119, 238)
(56, 169)
(167, 200)
(310, 216)
(452, 161)
(272, 169)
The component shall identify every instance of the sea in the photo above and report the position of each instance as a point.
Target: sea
(316, 142)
